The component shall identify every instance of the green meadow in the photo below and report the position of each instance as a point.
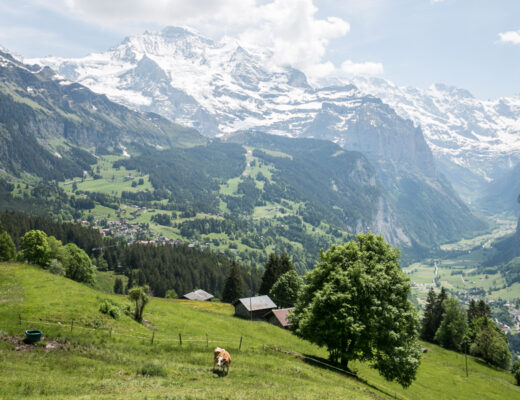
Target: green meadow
(100, 358)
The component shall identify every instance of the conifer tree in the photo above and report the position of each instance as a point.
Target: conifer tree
(7, 248)
(233, 287)
(428, 328)
(118, 286)
(438, 309)
(274, 268)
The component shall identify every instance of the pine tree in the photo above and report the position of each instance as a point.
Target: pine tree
(428, 328)
(233, 287)
(438, 310)
(472, 310)
(7, 248)
(118, 286)
(274, 268)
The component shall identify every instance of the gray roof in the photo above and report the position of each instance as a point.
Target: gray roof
(198, 294)
(257, 303)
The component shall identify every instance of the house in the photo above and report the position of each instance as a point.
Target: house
(253, 307)
(279, 317)
(199, 295)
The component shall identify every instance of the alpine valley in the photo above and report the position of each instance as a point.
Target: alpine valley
(170, 136)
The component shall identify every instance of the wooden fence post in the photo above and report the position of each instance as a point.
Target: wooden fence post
(20, 319)
(153, 336)
(110, 331)
(71, 324)
(180, 339)
(207, 341)
(240, 345)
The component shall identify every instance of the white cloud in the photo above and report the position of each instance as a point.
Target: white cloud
(365, 68)
(510, 37)
(293, 33)
(290, 29)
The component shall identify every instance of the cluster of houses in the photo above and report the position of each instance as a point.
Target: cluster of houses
(257, 308)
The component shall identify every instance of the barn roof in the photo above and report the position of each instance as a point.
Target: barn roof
(198, 294)
(281, 315)
(256, 303)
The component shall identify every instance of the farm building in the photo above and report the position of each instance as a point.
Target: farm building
(279, 317)
(253, 307)
(198, 294)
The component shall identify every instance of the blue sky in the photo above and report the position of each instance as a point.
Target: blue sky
(473, 44)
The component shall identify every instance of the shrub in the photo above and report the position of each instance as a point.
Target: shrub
(152, 368)
(110, 308)
(56, 267)
(171, 294)
(516, 372)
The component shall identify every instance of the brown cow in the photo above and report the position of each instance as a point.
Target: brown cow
(221, 358)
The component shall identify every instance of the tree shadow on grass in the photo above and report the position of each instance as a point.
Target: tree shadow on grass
(325, 363)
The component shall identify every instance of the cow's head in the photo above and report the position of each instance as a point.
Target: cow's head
(220, 361)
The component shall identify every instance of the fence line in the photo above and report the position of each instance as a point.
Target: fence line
(111, 332)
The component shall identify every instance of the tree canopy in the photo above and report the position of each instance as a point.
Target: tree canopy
(454, 325)
(35, 248)
(285, 291)
(79, 266)
(355, 303)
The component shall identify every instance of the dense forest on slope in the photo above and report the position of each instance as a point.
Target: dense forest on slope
(162, 267)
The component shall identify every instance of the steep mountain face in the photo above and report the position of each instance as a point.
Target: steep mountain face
(220, 87)
(46, 123)
(475, 141)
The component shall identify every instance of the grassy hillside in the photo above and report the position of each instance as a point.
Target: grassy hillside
(89, 363)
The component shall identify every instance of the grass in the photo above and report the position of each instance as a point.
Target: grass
(92, 364)
(105, 281)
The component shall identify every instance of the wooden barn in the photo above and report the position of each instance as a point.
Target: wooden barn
(279, 317)
(253, 307)
(199, 295)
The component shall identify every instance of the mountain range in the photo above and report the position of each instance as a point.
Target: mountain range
(220, 87)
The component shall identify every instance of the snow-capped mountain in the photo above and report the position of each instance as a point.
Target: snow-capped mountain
(219, 87)
(481, 137)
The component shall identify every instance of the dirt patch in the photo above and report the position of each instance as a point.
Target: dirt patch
(46, 344)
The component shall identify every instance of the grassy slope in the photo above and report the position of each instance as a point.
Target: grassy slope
(92, 365)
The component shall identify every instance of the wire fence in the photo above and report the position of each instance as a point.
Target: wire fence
(110, 331)
(153, 337)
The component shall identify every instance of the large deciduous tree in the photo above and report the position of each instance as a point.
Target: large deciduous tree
(454, 325)
(35, 248)
(285, 291)
(491, 344)
(79, 266)
(356, 304)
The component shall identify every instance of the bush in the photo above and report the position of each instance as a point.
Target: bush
(516, 372)
(56, 267)
(152, 368)
(110, 308)
(171, 294)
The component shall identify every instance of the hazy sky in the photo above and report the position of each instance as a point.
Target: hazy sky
(473, 44)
